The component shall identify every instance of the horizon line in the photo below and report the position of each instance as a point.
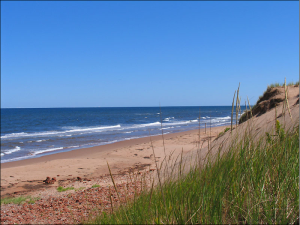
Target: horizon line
(110, 107)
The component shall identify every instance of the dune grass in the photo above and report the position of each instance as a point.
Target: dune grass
(248, 113)
(253, 182)
(223, 132)
(276, 85)
(19, 200)
(61, 189)
(282, 84)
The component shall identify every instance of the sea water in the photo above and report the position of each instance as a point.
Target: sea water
(34, 132)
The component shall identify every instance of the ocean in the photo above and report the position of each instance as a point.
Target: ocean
(34, 132)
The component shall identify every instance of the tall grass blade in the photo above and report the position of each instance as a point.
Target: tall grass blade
(231, 111)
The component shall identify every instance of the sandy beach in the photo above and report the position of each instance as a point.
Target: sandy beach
(20, 177)
(133, 166)
(25, 176)
(132, 163)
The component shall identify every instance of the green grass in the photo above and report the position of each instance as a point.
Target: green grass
(95, 185)
(253, 182)
(19, 200)
(275, 85)
(282, 84)
(61, 189)
(223, 132)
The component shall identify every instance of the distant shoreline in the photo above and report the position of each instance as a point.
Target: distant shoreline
(90, 150)
(112, 107)
(32, 133)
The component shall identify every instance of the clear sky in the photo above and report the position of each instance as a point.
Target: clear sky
(96, 53)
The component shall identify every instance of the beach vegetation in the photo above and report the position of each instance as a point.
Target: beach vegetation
(253, 182)
(270, 92)
(282, 84)
(19, 200)
(273, 85)
(223, 132)
(61, 189)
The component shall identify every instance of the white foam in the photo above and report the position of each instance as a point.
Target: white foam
(224, 118)
(135, 137)
(46, 150)
(166, 128)
(168, 119)
(146, 125)
(94, 128)
(76, 146)
(2, 154)
(217, 118)
(182, 122)
(7, 152)
(13, 135)
(62, 133)
(221, 119)
(15, 159)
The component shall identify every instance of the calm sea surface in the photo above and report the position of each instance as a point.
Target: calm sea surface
(28, 133)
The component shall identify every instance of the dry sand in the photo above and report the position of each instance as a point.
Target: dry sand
(91, 163)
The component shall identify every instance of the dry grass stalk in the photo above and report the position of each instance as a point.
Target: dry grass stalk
(250, 107)
(199, 129)
(111, 203)
(236, 105)
(231, 112)
(246, 109)
(284, 103)
(286, 98)
(116, 190)
(113, 180)
(180, 164)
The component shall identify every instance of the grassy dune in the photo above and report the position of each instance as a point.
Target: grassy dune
(251, 182)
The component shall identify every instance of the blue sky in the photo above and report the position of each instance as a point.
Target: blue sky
(96, 53)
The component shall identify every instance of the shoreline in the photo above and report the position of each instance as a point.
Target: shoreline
(90, 150)
(91, 163)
